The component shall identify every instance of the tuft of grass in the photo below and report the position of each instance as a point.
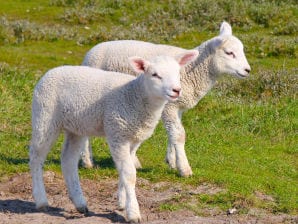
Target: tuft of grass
(169, 207)
(290, 28)
(261, 87)
(19, 31)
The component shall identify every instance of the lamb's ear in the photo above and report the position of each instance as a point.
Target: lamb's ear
(225, 29)
(186, 58)
(138, 64)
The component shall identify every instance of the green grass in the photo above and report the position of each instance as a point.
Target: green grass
(242, 136)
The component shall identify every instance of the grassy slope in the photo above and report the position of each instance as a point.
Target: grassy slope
(242, 136)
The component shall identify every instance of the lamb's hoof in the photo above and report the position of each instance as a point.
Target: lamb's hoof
(133, 216)
(135, 219)
(172, 164)
(185, 172)
(121, 207)
(83, 210)
(138, 166)
(88, 166)
(87, 162)
(43, 207)
(137, 163)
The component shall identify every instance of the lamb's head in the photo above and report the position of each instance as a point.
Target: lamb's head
(162, 73)
(228, 54)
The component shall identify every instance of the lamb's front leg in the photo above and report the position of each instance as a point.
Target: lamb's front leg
(69, 161)
(176, 156)
(127, 181)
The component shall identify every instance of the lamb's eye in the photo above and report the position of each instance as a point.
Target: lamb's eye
(156, 76)
(230, 53)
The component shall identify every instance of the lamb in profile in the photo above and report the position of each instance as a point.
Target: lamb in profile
(84, 101)
(222, 54)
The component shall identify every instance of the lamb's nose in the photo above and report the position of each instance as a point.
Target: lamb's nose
(247, 70)
(177, 90)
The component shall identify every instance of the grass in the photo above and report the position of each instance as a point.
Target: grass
(242, 136)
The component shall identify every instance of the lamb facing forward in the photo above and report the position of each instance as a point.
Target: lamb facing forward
(84, 101)
(219, 55)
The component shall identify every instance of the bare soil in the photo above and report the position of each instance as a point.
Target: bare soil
(17, 206)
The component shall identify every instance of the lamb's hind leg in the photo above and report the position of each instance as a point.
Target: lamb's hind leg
(86, 154)
(176, 156)
(41, 143)
(133, 153)
(69, 161)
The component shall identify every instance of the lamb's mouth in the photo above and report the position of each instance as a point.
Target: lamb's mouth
(175, 97)
(241, 75)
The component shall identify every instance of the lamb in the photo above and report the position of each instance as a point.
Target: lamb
(222, 54)
(84, 101)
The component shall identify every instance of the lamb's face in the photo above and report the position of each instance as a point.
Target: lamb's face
(162, 73)
(228, 53)
(163, 78)
(229, 57)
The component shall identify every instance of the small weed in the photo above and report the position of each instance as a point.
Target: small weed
(168, 207)
(85, 15)
(262, 16)
(62, 2)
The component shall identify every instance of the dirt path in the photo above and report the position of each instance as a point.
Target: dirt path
(16, 204)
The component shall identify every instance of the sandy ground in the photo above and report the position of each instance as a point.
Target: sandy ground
(16, 203)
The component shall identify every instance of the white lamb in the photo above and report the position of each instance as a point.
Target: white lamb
(84, 101)
(219, 55)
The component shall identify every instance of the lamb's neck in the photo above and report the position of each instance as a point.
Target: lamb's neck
(199, 76)
(142, 99)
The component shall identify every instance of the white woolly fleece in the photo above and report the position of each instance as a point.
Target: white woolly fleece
(220, 55)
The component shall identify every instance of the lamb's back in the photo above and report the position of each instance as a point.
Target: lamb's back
(114, 55)
(78, 82)
(79, 95)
